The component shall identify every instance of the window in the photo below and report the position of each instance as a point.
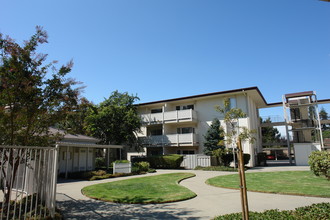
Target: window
(156, 132)
(188, 152)
(232, 102)
(184, 107)
(188, 107)
(156, 110)
(187, 130)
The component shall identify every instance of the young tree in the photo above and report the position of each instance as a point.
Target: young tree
(115, 120)
(30, 101)
(234, 135)
(214, 137)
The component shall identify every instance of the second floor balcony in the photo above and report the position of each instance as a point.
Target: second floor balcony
(171, 140)
(169, 117)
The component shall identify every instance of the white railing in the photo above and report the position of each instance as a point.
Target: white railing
(28, 177)
(170, 139)
(170, 116)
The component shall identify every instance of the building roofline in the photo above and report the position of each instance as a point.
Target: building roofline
(205, 95)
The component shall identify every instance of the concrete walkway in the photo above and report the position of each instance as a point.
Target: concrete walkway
(210, 201)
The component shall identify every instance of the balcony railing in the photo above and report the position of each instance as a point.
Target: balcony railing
(170, 140)
(171, 116)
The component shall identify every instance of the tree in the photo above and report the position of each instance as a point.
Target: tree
(214, 137)
(234, 135)
(324, 116)
(270, 135)
(115, 120)
(30, 101)
(75, 122)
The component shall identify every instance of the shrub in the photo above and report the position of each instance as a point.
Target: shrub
(315, 211)
(121, 161)
(220, 153)
(171, 161)
(319, 162)
(216, 168)
(142, 166)
(100, 162)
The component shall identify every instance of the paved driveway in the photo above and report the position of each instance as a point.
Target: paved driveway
(210, 201)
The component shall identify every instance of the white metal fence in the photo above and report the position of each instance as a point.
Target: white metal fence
(28, 177)
(194, 160)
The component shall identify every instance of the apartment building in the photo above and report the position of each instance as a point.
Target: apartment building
(178, 126)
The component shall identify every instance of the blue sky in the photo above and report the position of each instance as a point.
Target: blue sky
(161, 49)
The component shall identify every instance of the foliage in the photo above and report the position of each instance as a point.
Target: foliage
(100, 162)
(142, 166)
(270, 134)
(214, 137)
(285, 182)
(121, 161)
(115, 120)
(314, 211)
(74, 122)
(152, 189)
(326, 134)
(319, 162)
(221, 154)
(216, 168)
(324, 116)
(30, 101)
(31, 98)
(170, 161)
(231, 118)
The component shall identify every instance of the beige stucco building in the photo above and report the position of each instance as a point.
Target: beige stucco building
(179, 125)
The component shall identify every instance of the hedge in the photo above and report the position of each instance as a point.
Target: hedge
(170, 161)
(315, 211)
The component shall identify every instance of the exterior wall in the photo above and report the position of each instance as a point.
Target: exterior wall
(75, 159)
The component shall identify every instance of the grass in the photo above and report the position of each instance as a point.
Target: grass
(153, 189)
(288, 182)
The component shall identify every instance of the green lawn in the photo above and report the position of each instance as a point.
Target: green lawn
(288, 182)
(153, 189)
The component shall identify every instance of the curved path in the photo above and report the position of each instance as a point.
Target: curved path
(210, 201)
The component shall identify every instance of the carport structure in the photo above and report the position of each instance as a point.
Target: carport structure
(78, 152)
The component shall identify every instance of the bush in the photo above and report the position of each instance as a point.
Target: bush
(121, 161)
(228, 158)
(216, 168)
(319, 162)
(100, 162)
(315, 211)
(171, 161)
(142, 166)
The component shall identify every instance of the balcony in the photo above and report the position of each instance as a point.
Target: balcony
(170, 140)
(169, 117)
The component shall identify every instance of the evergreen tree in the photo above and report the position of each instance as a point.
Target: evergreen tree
(270, 134)
(213, 137)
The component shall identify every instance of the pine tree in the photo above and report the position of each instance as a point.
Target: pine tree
(213, 137)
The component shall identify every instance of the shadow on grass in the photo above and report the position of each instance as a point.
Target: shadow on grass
(95, 209)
